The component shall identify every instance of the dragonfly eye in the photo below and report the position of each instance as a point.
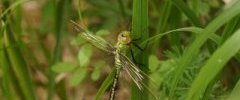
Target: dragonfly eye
(124, 37)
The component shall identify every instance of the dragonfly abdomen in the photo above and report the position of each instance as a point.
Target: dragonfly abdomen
(115, 81)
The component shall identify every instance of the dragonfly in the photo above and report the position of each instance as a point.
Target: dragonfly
(122, 62)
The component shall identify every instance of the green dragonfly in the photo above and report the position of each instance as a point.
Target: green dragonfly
(119, 51)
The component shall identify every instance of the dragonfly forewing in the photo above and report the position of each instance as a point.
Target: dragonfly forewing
(98, 42)
(137, 75)
(121, 60)
(133, 71)
(93, 39)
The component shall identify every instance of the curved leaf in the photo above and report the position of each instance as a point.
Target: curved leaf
(214, 65)
(63, 67)
(85, 54)
(195, 46)
(78, 75)
(107, 82)
(235, 93)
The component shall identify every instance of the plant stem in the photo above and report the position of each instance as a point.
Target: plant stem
(140, 28)
(57, 51)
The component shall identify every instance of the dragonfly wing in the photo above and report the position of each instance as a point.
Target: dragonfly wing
(98, 42)
(133, 71)
(136, 75)
(93, 39)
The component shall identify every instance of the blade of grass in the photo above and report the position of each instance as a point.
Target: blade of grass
(6, 81)
(107, 82)
(140, 28)
(122, 9)
(60, 9)
(18, 20)
(5, 68)
(175, 22)
(230, 28)
(105, 5)
(13, 6)
(235, 92)
(188, 12)
(9, 76)
(192, 17)
(162, 22)
(228, 31)
(214, 66)
(48, 10)
(19, 66)
(195, 46)
(195, 30)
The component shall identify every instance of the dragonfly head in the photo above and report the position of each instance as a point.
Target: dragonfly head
(124, 37)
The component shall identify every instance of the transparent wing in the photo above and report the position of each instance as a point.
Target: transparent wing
(137, 75)
(93, 39)
(133, 71)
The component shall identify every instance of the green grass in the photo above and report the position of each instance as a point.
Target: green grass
(234, 94)
(193, 48)
(214, 66)
(140, 29)
(57, 53)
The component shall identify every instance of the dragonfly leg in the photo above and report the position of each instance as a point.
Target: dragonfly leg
(133, 58)
(139, 38)
(140, 48)
(135, 44)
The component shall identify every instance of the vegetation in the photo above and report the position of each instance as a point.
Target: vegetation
(42, 57)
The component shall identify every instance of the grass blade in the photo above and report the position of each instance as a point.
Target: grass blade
(107, 82)
(16, 4)
(57, 50)
(214, 66)
(235, 92)
(187, 11)
(19, 66)
(195, 30)
(5, 66)
(175, 22)
(162, 21)
(194, 48)
(140, 30)
(230, 28)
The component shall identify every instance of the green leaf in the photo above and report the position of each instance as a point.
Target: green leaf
(95, 75)
(12, 7)
(19, 65)
(187, 11)
(84, 54)
(63, 67)
(140, 29)
(214, 66)
(195, 30)
(107, 82)
(78, 75)
(235, 92)
(102, 32)
(77, 41)
(195, 46)
(7, 92)
(97, 71)
(153, 62)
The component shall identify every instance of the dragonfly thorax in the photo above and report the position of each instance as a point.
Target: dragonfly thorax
(124, 39)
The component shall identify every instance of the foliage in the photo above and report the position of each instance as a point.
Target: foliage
(191, 49)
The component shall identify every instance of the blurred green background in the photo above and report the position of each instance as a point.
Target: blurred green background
(43, 58)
